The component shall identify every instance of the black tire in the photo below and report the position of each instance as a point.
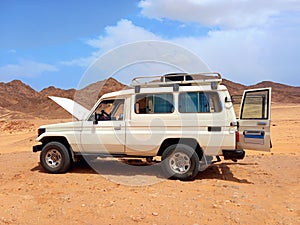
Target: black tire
(180, 162)
(55, 158)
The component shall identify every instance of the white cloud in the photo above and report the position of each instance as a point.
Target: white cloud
(257, 39)
(245, 55)
(83, 61)
(250, 55)
(124, 32)
(229, 13)
(25, 68)
(238, 55)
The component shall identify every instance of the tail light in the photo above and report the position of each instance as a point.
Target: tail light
(237, 136)
(237, 140)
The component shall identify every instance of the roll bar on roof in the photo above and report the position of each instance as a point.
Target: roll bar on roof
(178, 79)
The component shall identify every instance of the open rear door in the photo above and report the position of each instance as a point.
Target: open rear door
(254, 121)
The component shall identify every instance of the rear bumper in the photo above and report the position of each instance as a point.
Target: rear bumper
(37, 148)
(233, 154)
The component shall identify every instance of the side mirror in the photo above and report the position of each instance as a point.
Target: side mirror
(95, 121)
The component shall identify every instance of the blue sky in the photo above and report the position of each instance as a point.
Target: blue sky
(46, 43)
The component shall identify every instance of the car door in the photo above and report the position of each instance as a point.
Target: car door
(254, 120)
(107, 136)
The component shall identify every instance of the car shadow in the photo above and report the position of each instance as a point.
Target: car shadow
(121, 167)
(221, 171)
(134, 167)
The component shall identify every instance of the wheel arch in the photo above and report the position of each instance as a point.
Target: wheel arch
(61, 139)
(193, 143)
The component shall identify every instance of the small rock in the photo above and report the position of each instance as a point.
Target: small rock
(237, 220)
(7, 221)
(136, 218)
(155, 213)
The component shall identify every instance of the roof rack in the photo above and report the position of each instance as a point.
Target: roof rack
(178, 79)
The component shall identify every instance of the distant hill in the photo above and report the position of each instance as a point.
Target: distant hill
(281, 93)
(18, 100)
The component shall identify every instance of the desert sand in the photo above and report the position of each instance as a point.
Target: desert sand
(261, 189)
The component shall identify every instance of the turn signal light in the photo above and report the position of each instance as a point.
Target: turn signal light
(41, 131)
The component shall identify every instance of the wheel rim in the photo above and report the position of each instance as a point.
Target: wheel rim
(180, 162)
(53, 158)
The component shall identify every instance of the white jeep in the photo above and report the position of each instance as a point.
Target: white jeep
(185, 120)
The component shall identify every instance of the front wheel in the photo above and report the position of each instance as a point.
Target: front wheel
(180, 162)
(55, 158)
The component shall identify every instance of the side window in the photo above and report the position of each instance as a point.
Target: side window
(199, 102)
(112, 109)
(153, 103)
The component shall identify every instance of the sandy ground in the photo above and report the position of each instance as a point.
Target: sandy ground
(261, 189)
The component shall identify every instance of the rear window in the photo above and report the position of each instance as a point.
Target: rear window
(199, 102)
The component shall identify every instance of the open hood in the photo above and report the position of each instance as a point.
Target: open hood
(77, 110)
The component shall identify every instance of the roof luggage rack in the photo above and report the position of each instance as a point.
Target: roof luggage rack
(177, 79)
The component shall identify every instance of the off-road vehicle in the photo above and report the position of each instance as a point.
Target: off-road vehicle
(185, 120)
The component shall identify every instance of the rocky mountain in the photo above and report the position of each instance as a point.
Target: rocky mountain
(18, 100)
(91, 93)
(13, 92)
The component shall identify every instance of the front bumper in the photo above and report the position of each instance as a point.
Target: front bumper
(233, 154)
(37, 148)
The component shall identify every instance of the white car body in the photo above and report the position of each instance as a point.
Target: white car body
(215, 132)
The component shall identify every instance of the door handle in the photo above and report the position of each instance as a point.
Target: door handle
(118, 127)
(261, 123)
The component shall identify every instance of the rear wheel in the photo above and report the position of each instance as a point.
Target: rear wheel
(55, 158)
(180, 162)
